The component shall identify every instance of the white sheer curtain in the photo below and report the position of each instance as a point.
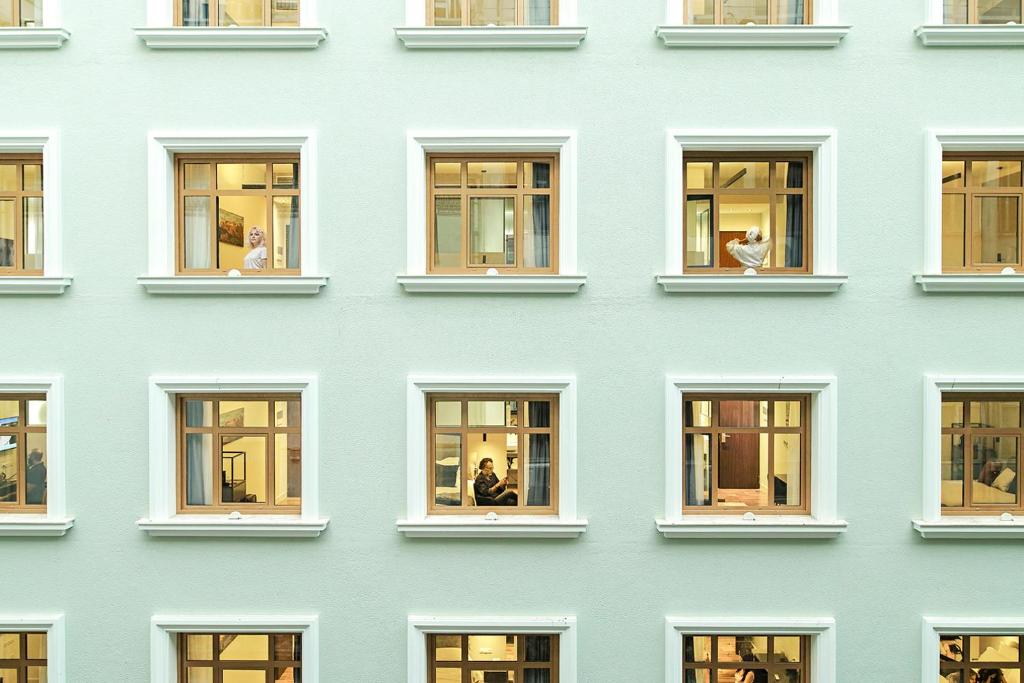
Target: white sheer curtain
(197, 232)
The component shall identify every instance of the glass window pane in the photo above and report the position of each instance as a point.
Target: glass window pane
(287, 413)
(447, 413)
(287, 469)
(9, 468)
(699, 247)
(951, 649)
(789, 232)
(699, 175)
(33, 222)
(244, 676)
(287, 674)
(287, 647)
(697, 649)
(8, 229)
(285, 176)
(7, 17)
(538, 455)
(995, 649)
(952, 466)
(248, 647)
(792, 11)
(10, 413)
(197, 176)
(492, 225)
(743, 648)
(740, 215)
(954, 11)
(8, 176)
(536, 675)
(200, 674)
(538, 12)
(8, 675)
(998, 11)
(241, 232)
(537, 174)
(698, 413)
(789, 676)
(447, 648)
(499, 453)
(492, 413)
(995, 173)
(952, 414)
(10, 646)
(242, 176)
(36, 645)
(448, 469)
(33, 177)
(699, 676)
(997, 230)
(787, 413)
(538, 648)
(492, 12)
(995, 414)
(743, 413)
(953, 242)
(198, 413)
(244, 413)
(284, 12)
(244, 469)
(953, 173)
(197, 233)
(447, 12)
(199, 648)
(36, 674)
(789, 174)
(539, 414)
(743, 175)
(701, 12)
(447, 174)
(744, 12)
(994, 465)
(493, 648)
(537, 231)
(199, 469)
(241, 13)
(447, 232)
(743, 470)
(195, 12)
(787, 459)
(787, 648)
(35, 469)
(446, 675)
(493, 174)
(697, 465)
(286, 234)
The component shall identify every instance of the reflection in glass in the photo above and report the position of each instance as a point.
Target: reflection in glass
(284, 13)
(33, 225)
(744, 12)
(32, 177)
(998, 12)
(953, 173)
(492, 12)
(538, 13)
(287, 469)
(953, 235)
(997, 229)
(8, 178)
(954, 11)
(952, 414)
(697, 465)
(197, 233)
(787, 459)
(995, 648)
(492, 224)
(195, 12)
(792, 12)
(996, 414)
(699, 247)
(448, 469)
(447, 232)
(241, 13)
(995, 173)
(10, 646)
(244, 469)
(447, 12)
(286, 232)
(952, 465)
(36, 645)
(8, 230)
(743, 175)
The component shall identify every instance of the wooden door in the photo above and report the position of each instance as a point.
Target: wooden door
(739, 457)
(725, 259)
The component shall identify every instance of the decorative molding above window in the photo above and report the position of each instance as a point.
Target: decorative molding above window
(164, 518)
(823, 215)
(161, 278)
(53, 625)
(165, 629)
(566, 33)
(54, 521)
(965, 30)
(822, 522)
(820, 630)
(161, 33)
(40, 31)
(421, 143)
(421, 627)
(823, 30)
(418, 521)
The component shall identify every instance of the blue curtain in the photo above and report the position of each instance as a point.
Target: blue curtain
(541, 218)
(540, 456)
(795, 217)
(195, 465)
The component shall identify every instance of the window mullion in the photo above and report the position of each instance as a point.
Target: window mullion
(465, 16)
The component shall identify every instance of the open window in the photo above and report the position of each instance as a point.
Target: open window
(746, 658)
(23, 657)
(23, 451)
(237, 13)
(21, 213)
(742, 12)
(982, 201)
(492, 658)
(240, 657)
(989, 658)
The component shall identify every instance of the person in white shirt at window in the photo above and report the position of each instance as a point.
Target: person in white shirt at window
(256, 259)
(750, 252)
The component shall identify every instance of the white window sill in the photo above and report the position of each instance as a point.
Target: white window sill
(34, 525)
(971, 527)
(231, 38)
(186, 284)
(419, 37)
(34, 285)
(494, 284)
(765, 526)
(221, 525)
(521, 526)
(752, 283)
(971, 283)
(752, 36)
(17, 38)
(980, 35)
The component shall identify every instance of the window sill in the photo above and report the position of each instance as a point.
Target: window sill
(752, 283)
(971, 527)
(522, 526)
(493, 284)
(221, 525)
(473, 37)
(17, 38)
(734, 526)
(752, 36)
(34, 525)
(971, 283)
(977, 35)
(203, 38)
(34, 285)
(185, 284)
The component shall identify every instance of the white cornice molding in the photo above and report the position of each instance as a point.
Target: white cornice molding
(761, 526)
(230, 38)
(34, 285)
(484, 37)
(524, 526)
(34, 525)
(766, 284)
(971, 35)
(269, 284)
(493, 284)
(812, 35)
(17, 38)
(261, 526)
(952, 282)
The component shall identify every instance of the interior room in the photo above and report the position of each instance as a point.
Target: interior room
(989, 432)
(986, 658)
(981, 204)
(455, 654)
(258, 657)
(747, 11)
(772, 659)
(25, 652)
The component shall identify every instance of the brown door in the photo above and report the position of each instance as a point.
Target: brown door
(739, 458)
(725, 259)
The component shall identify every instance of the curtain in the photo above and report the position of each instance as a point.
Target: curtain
(791, 11)
(541, 218)
(198, 460)
(697, 474)
(195, 12)
(538, 649)
(540, 456)
(539, 13)
(795, 218)
(197, 232)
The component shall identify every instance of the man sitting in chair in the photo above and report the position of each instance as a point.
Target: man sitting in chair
(489, 490)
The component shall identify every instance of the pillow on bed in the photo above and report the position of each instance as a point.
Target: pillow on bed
(1003, 481)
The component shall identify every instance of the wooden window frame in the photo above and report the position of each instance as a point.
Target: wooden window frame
(219, 665)
(19, 196)
(774, 193)
(464, 430)
(22, 663)
(971, 237)
(520, 14)
(966, 665)
(519, 193)
(972, 14)
(517, 667)
(968, 433)
(21, 431)
(715, 431)
(215, 430)
(268, 8)
(715, 665)
(214, 193)
(773, 13)
(19, 19)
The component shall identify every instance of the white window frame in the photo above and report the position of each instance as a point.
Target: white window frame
(416, 34)
(49, 36)
(164, 631)
(932, 523)
(421, 143)
(935, 627)
(56, 645)
(566, 524)
(822, 145)
(160, 33)
(55, 521)
(936, 33)
(821, 630)
(939, 141)
(53, 280)
(823, 522)
(419, 627)
(163, 237)
(826, 31)
(164, 519)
